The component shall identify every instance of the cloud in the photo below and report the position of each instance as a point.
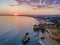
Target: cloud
(39, 3)
(12, 5)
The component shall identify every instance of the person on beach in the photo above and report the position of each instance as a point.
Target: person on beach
(26, 39)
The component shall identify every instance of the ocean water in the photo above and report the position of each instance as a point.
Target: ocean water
(13, 28)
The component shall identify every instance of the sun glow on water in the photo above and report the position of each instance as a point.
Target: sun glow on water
(15, 14)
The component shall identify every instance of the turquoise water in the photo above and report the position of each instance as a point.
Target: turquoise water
(13, 28)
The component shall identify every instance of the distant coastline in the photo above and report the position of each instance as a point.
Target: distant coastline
(30, 15)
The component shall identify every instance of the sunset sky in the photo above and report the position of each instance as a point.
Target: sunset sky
(28, 7)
